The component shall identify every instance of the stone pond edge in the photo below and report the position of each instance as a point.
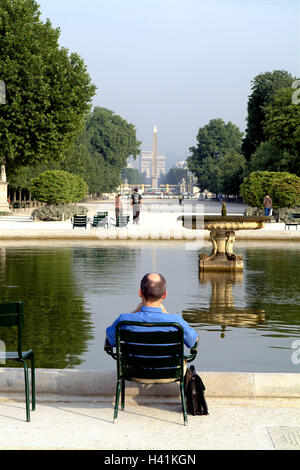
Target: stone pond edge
(84, 383)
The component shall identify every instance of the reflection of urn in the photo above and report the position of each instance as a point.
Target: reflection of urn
(221, 310)
(222, 236)
(221, 300)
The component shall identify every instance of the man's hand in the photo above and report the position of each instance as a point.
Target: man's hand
(107, 347)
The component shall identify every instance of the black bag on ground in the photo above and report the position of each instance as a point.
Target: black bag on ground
(194, 393)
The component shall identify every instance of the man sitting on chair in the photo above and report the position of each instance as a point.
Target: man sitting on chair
(152, 292)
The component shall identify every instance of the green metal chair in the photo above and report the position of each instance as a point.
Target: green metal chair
(79, 220)
(11, 315)
(100, 220)
(149, 355)
(121, 221)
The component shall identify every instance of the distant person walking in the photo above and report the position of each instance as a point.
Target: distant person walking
(136, 202)
(118, 205)
(180, 199)
(268, 205)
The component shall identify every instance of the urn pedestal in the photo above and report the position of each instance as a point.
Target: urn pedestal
(222, 237)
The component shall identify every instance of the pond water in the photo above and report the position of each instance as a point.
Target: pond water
(72, 293)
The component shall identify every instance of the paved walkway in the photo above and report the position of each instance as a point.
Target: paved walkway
(158, 221)
(231, 425)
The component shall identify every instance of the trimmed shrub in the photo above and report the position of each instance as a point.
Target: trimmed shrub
(54, 213)
(58, 187)
(283, 187)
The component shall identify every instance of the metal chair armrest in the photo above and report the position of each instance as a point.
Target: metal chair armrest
(109, 350)
(193, 353)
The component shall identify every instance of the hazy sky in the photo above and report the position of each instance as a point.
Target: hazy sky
(175, 63)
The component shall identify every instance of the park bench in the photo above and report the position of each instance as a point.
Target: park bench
(11, 315)
(149, 353)
(79, 221)
(294, 221)
(120, 221)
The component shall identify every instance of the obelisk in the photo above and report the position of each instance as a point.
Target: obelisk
(154, 160)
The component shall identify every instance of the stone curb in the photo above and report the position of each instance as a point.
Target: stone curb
(66, 382)
(143, 235)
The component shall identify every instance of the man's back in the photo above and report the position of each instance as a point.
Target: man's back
(152, 314)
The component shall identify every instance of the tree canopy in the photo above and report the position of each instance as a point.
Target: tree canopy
(102, 151)
(176, 175)
(48, 90)
(214, 140)
(264, 87)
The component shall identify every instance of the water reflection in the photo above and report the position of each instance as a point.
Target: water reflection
(57, 326)
(222, 310)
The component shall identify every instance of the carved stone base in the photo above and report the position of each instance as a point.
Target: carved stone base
(221, 257)
(220, 262)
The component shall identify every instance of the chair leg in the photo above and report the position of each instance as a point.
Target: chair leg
(33, 382)
(123, 395)
(117, 401)
(26, 391)
(183, 404)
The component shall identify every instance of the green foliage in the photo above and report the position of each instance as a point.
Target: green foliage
(102, 151)
(48, 90)
(266, 158)
(264, 87)
(283, 187)
(55, 213)
(282, 127)
(58, 187)
(132, 175)
(176, 175)
(213, 141)
(232, 170)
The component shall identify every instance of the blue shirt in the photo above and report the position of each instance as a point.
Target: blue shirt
(153, 314)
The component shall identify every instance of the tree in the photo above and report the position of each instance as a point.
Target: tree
(110, 140)
(232, 170)
(283, 187)
(263, 89)
(132, 175)
(48, 90)
(58, 187)
(214, 141)
(176, 175)
(282, 127)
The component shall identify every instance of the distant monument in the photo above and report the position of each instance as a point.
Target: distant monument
(152, 164)
(154, 180)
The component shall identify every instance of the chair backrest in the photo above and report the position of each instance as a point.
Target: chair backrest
(11, 314)
(122, 220)
(150, 350)
(80, 220)
(102, 214)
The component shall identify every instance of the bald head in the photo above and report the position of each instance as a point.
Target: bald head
(153, 287)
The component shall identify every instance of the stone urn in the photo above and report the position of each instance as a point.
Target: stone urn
(222, 235)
